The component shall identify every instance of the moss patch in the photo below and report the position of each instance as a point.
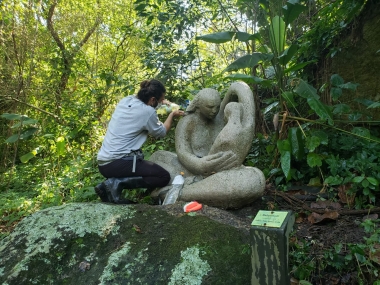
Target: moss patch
(96, 243)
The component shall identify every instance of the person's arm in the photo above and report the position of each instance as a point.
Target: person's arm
(169, 120)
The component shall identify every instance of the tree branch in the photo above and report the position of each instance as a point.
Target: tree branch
(35, 107)
(52, 30)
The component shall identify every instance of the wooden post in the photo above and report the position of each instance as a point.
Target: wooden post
(270, 247)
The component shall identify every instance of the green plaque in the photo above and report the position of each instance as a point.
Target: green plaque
(272, 219)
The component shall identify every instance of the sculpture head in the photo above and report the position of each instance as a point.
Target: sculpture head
(206, 103)
(233, 109)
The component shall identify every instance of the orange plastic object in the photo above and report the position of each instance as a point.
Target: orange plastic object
(192, 206)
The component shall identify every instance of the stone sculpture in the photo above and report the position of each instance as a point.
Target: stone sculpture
(212, 141)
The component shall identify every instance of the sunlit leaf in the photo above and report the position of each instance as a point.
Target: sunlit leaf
(26, 157)
(277, 34)
(61, 146)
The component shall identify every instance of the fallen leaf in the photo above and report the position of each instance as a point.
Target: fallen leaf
(334, 280)
(294, 281)
(374, 254)
(345, 197)
(370, 217)
(300, 218)
(84, 265)
(137, 228)
(315, 218)
(325, 205)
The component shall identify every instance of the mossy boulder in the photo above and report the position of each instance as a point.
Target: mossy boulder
(97, 243)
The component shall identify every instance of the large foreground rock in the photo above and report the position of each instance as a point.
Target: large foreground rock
(96, 243)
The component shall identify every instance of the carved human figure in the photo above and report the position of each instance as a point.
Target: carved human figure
(210, 153)
(235, 127)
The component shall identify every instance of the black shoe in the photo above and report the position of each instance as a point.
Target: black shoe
(115, 187)
(100, 189)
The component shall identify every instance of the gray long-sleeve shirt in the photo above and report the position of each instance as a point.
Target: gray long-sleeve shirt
(128, 128)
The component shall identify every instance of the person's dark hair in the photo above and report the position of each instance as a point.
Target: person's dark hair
(150, 88)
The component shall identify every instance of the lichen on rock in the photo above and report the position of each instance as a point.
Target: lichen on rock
(97, 243)
(191, 270)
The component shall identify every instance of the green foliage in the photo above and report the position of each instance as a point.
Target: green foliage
(306, 262)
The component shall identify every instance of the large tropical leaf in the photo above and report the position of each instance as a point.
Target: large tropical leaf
(217, 38)
(297, 143)
(292, 10)
(245, 37)
(288, 54)
(277, 34)
(248, 61)
(320, 109)
(249, 79)
(305, 90)
(284, 147)
(222, 37)
(298, 66)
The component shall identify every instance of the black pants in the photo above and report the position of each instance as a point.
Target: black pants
(152, 173)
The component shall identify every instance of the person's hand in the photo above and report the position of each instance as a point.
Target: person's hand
(166, 102)
(178, 113)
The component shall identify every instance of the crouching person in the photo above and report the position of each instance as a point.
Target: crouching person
(120, 158)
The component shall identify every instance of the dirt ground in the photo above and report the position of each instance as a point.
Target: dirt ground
(320, 235)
